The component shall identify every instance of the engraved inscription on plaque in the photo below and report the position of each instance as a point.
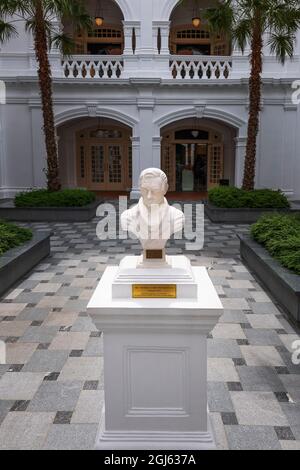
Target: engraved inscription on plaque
(154, 291)
(154, 254)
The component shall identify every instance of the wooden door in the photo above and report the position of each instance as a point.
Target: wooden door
(168, 163)
(215, 165)
(96, 167)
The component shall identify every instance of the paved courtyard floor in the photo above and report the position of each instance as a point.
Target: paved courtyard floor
(51, 390)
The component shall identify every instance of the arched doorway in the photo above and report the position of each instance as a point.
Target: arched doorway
(197, 155)
(96, 153)
(104, 158)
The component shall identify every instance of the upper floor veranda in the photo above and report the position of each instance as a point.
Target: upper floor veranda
(144, 39)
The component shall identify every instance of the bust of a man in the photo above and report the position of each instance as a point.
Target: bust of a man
(152, 220)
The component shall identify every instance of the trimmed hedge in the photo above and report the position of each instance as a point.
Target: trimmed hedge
(280, 235)
(230, 197)
(11, 236)
(64, 198)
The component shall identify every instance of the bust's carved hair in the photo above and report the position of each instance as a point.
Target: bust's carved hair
(155, 173)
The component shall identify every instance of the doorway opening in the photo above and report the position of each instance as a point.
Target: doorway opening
(193, 159)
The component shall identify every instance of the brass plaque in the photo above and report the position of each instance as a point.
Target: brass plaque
(154, 254)
(154, 291)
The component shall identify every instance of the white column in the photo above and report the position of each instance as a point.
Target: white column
(39, 156)
(128, 31)
(136, 167)
(2, 153)
(240, 153)
(164, 27)
(156, 149)
(138, 45)
(131, 57)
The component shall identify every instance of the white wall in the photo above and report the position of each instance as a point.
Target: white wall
(147, 105)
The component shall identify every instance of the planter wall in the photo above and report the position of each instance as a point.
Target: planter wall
(48, 214)
(15, 263)
(222, 215)
(284, 285)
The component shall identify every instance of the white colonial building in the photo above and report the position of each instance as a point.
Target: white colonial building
(147, 88)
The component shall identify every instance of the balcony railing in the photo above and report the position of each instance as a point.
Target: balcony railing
(93, 67)
(180, 67)
(200, 67)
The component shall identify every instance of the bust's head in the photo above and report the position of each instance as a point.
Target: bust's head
(153, 186)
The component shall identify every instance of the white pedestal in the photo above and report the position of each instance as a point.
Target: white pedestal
(155, 367)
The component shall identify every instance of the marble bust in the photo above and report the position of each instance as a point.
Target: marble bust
(152, 220)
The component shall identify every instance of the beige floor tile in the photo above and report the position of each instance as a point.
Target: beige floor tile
(11, 309)
(258, 409)
(14, 294)
(83, 282)
(19, 353)
(70, 340)
(240, 284)
(46, 276)
(52, 301)
(25, 431)
(266, 321)
(89, 407)
(235, 304)
(20, 385)
(261, 356)
(60, 319)
(260, 297)
(82, 368)
(221, 370)
(228, 331)
(13, 328)
(48, 287)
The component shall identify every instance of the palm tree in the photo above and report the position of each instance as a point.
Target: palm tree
(271, 23)
(39, 16)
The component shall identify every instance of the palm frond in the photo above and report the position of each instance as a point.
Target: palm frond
(220, 19)
(242, 33)
(7, 31)
(64, 43)
(282, 45)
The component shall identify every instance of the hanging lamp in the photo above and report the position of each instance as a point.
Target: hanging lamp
(196, 20)
(99, 18)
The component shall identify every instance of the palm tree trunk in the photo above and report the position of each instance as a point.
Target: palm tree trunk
(45, 82)
(255, 86)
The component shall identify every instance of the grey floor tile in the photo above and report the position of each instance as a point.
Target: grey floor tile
(219, 397)
(260, 379)
(223, 348)
(56, 396)
(71, 437)
(46, 361)
(252, 438)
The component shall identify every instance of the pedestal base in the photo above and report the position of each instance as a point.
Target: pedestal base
(154, 440)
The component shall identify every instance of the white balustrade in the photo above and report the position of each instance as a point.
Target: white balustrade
(200, 67)
(96, 67)
(180, 67)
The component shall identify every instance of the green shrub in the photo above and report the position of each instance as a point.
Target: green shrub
(45, 198)
(230, 197)
(11, 236)
(280, 235)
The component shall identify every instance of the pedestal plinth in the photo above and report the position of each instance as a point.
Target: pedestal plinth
(155, 366)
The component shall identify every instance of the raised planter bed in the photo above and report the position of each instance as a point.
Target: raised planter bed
(284, 285)
(223, 215)
(15, 263)
(8, 211)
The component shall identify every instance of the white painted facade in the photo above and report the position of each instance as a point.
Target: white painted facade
(138, 90)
